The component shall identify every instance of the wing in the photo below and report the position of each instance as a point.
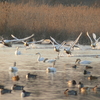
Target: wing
(76, 40)
(54, 40)
(20, 40)
(94, 36)
(89, 37)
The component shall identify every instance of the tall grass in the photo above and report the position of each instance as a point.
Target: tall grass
(60, 22)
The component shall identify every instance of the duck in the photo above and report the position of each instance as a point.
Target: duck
(17, 52)
(94, 89)
(86, 72)
(23, 93)
(15, 78)
(71, 82)
(92, 77)
(29, 75)
(84, 89)
(40, 59)
(4, 90)
(74, 66)
(78, 61)
(14, 68)
(70, 92)
(95, 42)
(88, 67)
(17, 87)
(80, 85)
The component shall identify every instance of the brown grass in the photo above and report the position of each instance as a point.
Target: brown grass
(61, 22)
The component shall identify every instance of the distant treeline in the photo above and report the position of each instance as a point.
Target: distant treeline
(59, 21)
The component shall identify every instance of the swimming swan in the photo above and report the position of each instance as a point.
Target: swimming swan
(17, 52)
(14, 68)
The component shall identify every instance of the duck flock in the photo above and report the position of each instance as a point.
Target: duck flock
(64, 49)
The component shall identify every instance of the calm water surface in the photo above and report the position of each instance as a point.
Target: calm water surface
(48, 86)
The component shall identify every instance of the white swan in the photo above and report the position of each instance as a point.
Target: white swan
(40, 59)
(51, 69)
(78, 61)
(95, 42)
(58, 46)
(17, 52)
(68, 49)
(14, 68)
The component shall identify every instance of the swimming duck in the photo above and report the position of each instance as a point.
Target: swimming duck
(80, 85)
(94, 89)
(88, 67)
(14, 68)
(17, 52)
(70, 92)
(71, 82)
(17, 87)
(84, 89)
(30, 76)
(92, 77)
(3, 91)
(86, 72)
(23, 93)
(15, 78)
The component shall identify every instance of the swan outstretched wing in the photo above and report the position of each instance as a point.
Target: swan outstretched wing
(54, 40)
(76, 40)
(89, 37)
(94, 36)
(20, 40)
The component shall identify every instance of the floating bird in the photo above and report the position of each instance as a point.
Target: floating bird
(86, 72)
(4, 91)
(50, 69)
(8, 43)
(68, 49)
(70, 92)
(84, 89)
(17, 52)
(80, 85)
(14, 68)
(15, 78)
(74, 66)
(71, 82)
(88, 67)
(24, 93)
(95, 42)
(78, 61)
(30, 76)
(94, 89)
(17, 87)
(92, 77)
(40, 59)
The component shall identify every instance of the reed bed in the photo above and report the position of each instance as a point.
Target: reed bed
(59, 21)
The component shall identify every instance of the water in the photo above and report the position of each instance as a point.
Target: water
(48, 86)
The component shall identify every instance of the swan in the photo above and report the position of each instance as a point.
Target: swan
(8, 43)
(17, 52)
(58, 46)
(40, 59)
(78, 61)
(95, 42)
(14, 68)
(67, 50)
